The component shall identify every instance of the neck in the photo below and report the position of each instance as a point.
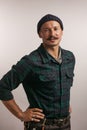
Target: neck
(53, 51)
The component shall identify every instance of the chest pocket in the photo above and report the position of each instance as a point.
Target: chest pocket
(69, 77)
(44, 77)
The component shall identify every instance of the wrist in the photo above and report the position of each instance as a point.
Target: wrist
(21, 116)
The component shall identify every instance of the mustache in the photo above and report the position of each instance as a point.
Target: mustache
(52, 37)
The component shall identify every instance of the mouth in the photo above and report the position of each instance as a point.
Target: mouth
(52, 38)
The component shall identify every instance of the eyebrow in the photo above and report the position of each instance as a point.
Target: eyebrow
(50, 27)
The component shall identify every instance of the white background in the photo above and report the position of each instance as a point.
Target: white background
(18, 37)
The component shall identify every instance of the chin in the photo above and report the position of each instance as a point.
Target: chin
(52, 44)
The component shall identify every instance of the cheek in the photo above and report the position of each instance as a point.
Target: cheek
(45, 36)
(59, 35)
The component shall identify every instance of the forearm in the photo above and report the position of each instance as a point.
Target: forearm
(13, 108)
(26, 115)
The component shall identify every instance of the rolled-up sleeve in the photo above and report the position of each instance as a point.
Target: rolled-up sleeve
(13, 78)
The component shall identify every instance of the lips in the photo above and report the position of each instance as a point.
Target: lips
(52, 38)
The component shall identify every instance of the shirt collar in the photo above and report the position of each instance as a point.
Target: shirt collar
(45, 55)
(60, 57)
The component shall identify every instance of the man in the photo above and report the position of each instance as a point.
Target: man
(47, 76)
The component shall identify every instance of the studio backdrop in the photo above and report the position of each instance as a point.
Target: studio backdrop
(18, 37)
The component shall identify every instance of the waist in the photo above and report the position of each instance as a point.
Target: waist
(54, 113)
(45, 121)
(57, 121)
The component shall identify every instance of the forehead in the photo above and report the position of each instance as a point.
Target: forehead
(50, 24)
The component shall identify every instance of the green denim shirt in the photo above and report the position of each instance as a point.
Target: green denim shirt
(46, 82)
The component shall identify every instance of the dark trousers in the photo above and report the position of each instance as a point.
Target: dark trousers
(49, 126)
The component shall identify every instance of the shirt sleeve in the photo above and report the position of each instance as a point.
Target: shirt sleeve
(13, 78)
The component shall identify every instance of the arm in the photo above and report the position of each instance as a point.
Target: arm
(24, 116)
(11, 81)
(13, 108)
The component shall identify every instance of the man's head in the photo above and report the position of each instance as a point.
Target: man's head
(50, 29)
(46, 18)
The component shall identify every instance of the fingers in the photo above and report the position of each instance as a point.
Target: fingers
(37, 114)
(33, 114)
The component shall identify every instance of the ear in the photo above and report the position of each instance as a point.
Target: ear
(40, 34)
(62, 32)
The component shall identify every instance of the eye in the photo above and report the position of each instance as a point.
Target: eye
(46, 30)
(56, 28)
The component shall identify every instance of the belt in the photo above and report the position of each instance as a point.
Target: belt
(45, 122)
(57, 121)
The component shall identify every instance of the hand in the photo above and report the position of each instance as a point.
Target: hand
(70, 109)
(33, 114)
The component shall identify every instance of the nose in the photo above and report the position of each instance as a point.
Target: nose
(52, 32)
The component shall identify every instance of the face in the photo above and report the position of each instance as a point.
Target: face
(51, 33)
